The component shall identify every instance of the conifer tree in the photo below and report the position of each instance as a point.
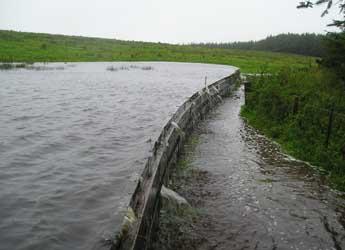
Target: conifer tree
(329, 4)
(334, 57)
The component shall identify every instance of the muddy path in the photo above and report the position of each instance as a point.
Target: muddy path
(248, 195)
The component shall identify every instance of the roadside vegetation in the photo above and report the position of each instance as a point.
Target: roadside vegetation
(304, 110)
(34, 47)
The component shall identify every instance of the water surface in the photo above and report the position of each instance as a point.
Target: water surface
(73, 140)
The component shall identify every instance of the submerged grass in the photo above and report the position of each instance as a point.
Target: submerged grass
(34, 47)
(179, 225)
(7, 66)
(184, 168)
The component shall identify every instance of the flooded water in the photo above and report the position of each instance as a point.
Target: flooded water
(251, 196)
(73, 140)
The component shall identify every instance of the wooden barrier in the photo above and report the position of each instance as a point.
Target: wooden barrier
(143, 211)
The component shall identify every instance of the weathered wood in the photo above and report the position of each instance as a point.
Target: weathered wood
(145, 201)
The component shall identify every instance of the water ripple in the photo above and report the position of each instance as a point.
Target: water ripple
(72, 142)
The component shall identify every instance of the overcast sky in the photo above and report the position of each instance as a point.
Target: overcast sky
(174, 21)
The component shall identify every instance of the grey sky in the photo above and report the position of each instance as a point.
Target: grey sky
(175, 21)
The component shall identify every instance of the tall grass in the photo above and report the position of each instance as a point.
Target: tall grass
(295, 107)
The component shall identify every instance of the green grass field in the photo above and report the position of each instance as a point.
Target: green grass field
(34, 47)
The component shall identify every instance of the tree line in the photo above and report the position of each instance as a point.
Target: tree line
(309, 44)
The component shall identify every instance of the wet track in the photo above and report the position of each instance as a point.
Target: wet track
(251, 196)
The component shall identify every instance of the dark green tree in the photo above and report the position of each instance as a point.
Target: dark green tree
(329, 4)
(334, 57)
(304, 44)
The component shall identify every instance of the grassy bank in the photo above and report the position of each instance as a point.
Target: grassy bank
(305, 112)
(34, 47)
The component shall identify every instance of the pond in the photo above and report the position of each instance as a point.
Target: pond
(74, 138)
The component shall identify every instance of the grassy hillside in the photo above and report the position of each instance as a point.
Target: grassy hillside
(34, 47)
